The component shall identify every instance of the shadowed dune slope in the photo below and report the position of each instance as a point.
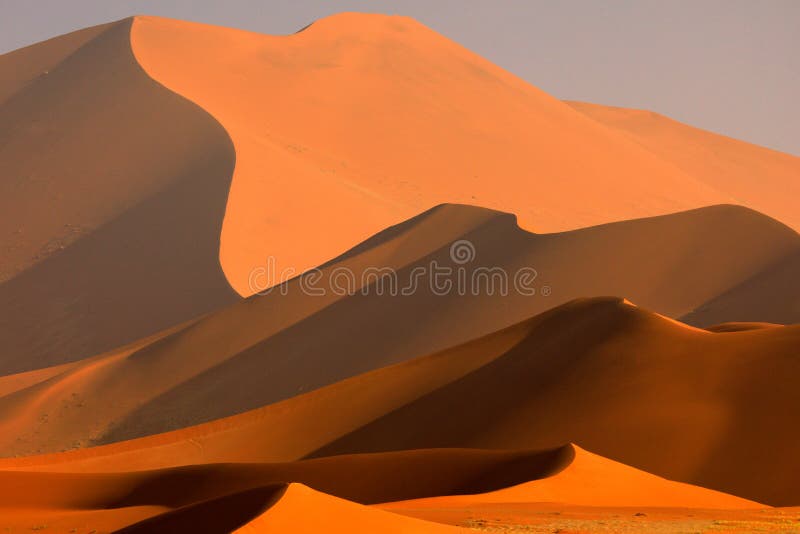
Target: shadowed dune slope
(404, 119)
(383, 477)
(680, 402)
(591, 480)
(770, 295)
(683, 403)
(221, 497)
(113, 192)
(291, 341)
(763, 179)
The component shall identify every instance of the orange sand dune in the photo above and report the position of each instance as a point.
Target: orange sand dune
(112, 200)
(302, 509)
(382, 477)
(403, 119)
(680, 402)
(739, 326)
(221, 497)
(273, 347)
(770, 295)
(228, 495)
(758, 177)
(592, 480)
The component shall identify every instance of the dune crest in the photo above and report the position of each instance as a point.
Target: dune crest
(109, 233)
(763, 179)
(405, 119)
(302, 509)
(590, 480)
(272, 347)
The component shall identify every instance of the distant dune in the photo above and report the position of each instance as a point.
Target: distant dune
(272, 347)
(636, 387)
(763, 179)
(404, 119)
(261, 283)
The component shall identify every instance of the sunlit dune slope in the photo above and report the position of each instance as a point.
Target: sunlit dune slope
(294, 340)
(763, 179)
(298, 509)
(303, 510)
(683, 403)
(680, 402)
(112, 196)
(182, 496)
(382, 477)
(592, 480)
(360, 121)
(222, 496)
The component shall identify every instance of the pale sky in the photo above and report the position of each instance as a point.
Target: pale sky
(730, 66)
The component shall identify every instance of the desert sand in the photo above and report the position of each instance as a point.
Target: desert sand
(156, 175)
(612, 369)
(255, 496)
(269, 348)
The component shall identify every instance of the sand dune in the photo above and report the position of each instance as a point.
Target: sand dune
(154, 172)
(590, 480)
(404, 119)
(275, 346)
(770, 295)
(305, 510)
(113, 195)
(221, 497)
(677, 401)
(763, 179)
(100, 208)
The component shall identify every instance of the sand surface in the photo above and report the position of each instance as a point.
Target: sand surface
(157, 174)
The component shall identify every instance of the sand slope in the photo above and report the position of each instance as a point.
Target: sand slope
(221, 497)
(763, 179)
(275, 346)
(683, 403)
(680, 402)
(305, 510)
(112, 196)
(770, 295)
(404, 119)
(591, 480)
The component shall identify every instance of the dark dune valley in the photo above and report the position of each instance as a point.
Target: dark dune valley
(360, 279)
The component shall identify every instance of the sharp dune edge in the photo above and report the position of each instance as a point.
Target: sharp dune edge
(95, 254)
(183, 498)
(761, 178)
(272, 347)
(577, 357)
(455, 118)
(139, 392)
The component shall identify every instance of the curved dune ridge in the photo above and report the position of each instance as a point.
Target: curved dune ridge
(591, 480)
(763, 179)
(113, 195)
(404, 119)
(272, 347)
(222, 497)
(156, 174)
(642, 389)
(91, 241)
